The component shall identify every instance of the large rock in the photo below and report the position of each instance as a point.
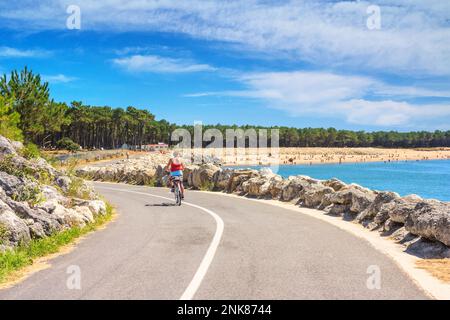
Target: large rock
(354, 196)
(64, 182)
(222, 178)
(238, 177)
(6, 147)
(202, 177)
(374, 209)
(29, 208)
(85, 214)
(9, 183)
(261, 185)
(430, 219)
(97, 207)
(293, 189)
(49, 222)
(13, 230)
(334, 183)
(314, 194)
(399, 209)
(337, 209)
(276, 187)
(188, 174)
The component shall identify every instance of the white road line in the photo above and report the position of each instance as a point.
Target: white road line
(209, 255)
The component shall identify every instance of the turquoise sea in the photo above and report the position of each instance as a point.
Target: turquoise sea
(428, 179)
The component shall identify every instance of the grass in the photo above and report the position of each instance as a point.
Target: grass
(152, 182)
(13, 261)
(3, 233)
(207, 186)
(29, 193)
(439, 268)
(76, 189)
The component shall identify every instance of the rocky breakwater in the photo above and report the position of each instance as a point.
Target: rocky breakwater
(37, 200)
(422, 225)
(145, 170)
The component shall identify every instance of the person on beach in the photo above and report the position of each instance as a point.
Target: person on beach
(175, 168)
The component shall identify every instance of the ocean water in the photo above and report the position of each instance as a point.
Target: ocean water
(428, 179)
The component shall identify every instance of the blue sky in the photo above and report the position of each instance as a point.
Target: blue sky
(299, 63)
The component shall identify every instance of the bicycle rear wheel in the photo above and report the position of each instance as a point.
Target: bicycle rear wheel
(177, 194)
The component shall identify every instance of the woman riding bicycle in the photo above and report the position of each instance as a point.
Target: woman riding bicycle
(175, 167)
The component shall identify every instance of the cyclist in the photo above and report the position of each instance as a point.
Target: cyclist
(175, 167)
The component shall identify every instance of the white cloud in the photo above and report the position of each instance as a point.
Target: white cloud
(356, 99)
(59, 78)
(390, 113)
(8, 52)
(414, 38)
(157, 64)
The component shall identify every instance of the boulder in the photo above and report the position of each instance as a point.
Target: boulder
(430, 219)
(49, 222)
(97, 207)
(260, 186)
(221, 178)
(353, 195)
(85, 214)
(202, 177)
(36, 230)
(13, 230)
(188, 174)
(337, 209)
(51, 194)
(238, 177)
(399, 209)
(314, 194)
(374, 209)
(276, 187)
(17, 145)
(293, 189)
(64, 182)
(9, 183)
(48, 205)
(6, 147)
(334, 183)
(361, 200)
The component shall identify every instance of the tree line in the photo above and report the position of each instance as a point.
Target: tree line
(27, 111)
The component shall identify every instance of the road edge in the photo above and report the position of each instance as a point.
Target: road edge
(432, 287)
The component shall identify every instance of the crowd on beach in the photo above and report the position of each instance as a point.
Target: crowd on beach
(287, 156)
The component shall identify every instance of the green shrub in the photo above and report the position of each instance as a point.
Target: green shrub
(207, 186)
(7, 165)
(9, 120)
(22, 256)
(3, 233)
(152, 182)
(77, 189)
(29, 193)
(30, 151)
(68, 144)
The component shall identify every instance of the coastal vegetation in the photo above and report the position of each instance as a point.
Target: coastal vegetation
(13, 261)
(28, 112)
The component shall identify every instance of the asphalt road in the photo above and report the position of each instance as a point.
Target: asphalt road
(216, 248)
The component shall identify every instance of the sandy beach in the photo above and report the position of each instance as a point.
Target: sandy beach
(329, 155)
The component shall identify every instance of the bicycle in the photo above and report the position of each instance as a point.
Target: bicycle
(177, 189)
